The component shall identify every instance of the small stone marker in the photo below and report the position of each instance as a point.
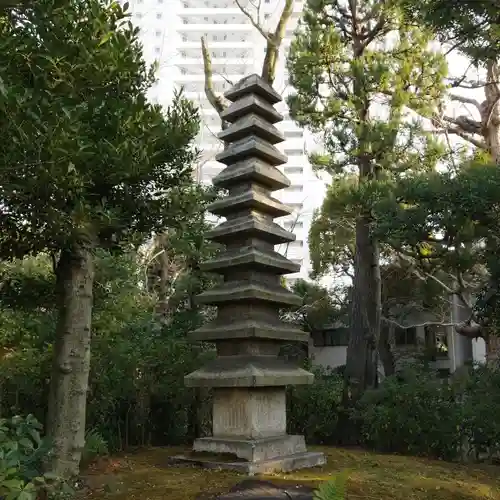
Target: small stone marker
(248, 377)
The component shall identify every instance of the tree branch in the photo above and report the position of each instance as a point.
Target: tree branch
(466, 137)
(465, 100)
(215, 100)
(274, 41)
(255, 23)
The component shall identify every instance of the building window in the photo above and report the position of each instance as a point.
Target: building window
(294, 152)
(160, 1)
(405, 336)
(292, 225)
(294, 170)
(184, 38)
(183, 71)
(157, 33)
(297, 244)
(139, 15)
(157, 50)
(295, 206)
(298, 261)
(295, 189)
(158, 15)
(330, 337)
(183, 53)
(266, 16)
(294, 134)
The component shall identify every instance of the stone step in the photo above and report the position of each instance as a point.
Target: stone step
(251, 257)
(248, 104)
(251, 170)
(248, 371)
(249, 329)
(250, 226)
(238, 291)
(251, 147)
(253, 199)
(253, 84)
(251, 125)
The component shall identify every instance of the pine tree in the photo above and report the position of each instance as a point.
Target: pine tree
(357, 69)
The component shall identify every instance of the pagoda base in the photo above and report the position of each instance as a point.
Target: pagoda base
(287, 463)
(252, 450)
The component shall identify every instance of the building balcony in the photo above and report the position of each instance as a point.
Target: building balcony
(196, 44)
(216, 61)
(211, 11)
(212, 28)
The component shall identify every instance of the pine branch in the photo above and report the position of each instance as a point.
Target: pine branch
(465, 100)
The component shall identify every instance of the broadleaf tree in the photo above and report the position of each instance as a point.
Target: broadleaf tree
(358, 69)
(87, 163)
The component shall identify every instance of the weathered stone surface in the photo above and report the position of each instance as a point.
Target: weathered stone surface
(253, 84)
(273, 466)
(250, 226)
(252, 125)
(259, 258)
(251, 170)
(253, 199)
(238, 291)
(251, 104)
(250, 328)
(251, 147)
(251, 489)
(248, 371)
(248, 376)
(253, 450)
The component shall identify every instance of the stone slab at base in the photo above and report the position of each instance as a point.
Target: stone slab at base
(287, 463)
(252, 450)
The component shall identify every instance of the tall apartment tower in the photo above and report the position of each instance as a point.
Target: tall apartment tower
(171, 32)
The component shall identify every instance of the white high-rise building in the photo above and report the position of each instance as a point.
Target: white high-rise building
(171, 32)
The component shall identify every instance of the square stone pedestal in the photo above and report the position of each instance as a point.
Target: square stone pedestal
(249, 434)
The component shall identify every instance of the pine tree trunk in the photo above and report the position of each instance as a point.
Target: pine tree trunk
(361, 367)
(71, 362)
(491, 119)
(385, 352)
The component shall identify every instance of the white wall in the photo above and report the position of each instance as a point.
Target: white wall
(331, 357)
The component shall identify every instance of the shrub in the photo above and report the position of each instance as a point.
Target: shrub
(313, 410)
(22, 451)
(479, 396)
(412, 412)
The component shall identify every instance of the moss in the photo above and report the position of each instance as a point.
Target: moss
(146, 475)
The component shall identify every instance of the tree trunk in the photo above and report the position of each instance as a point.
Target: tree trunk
(365, 313)
(491, 118)
(385, 352)
(71, 361)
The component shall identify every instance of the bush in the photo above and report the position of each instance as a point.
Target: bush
(412, 412)
(479, 397)
(22, 451)
(313, 411)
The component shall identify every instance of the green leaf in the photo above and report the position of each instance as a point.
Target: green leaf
(105, 38)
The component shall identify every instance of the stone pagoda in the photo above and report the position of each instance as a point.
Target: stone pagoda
(248, 377)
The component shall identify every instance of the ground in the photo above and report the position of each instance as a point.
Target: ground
(146, 475)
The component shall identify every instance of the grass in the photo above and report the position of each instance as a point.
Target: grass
(145, 475)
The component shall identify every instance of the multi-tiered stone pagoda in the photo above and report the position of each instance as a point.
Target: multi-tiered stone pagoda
(248, 377)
